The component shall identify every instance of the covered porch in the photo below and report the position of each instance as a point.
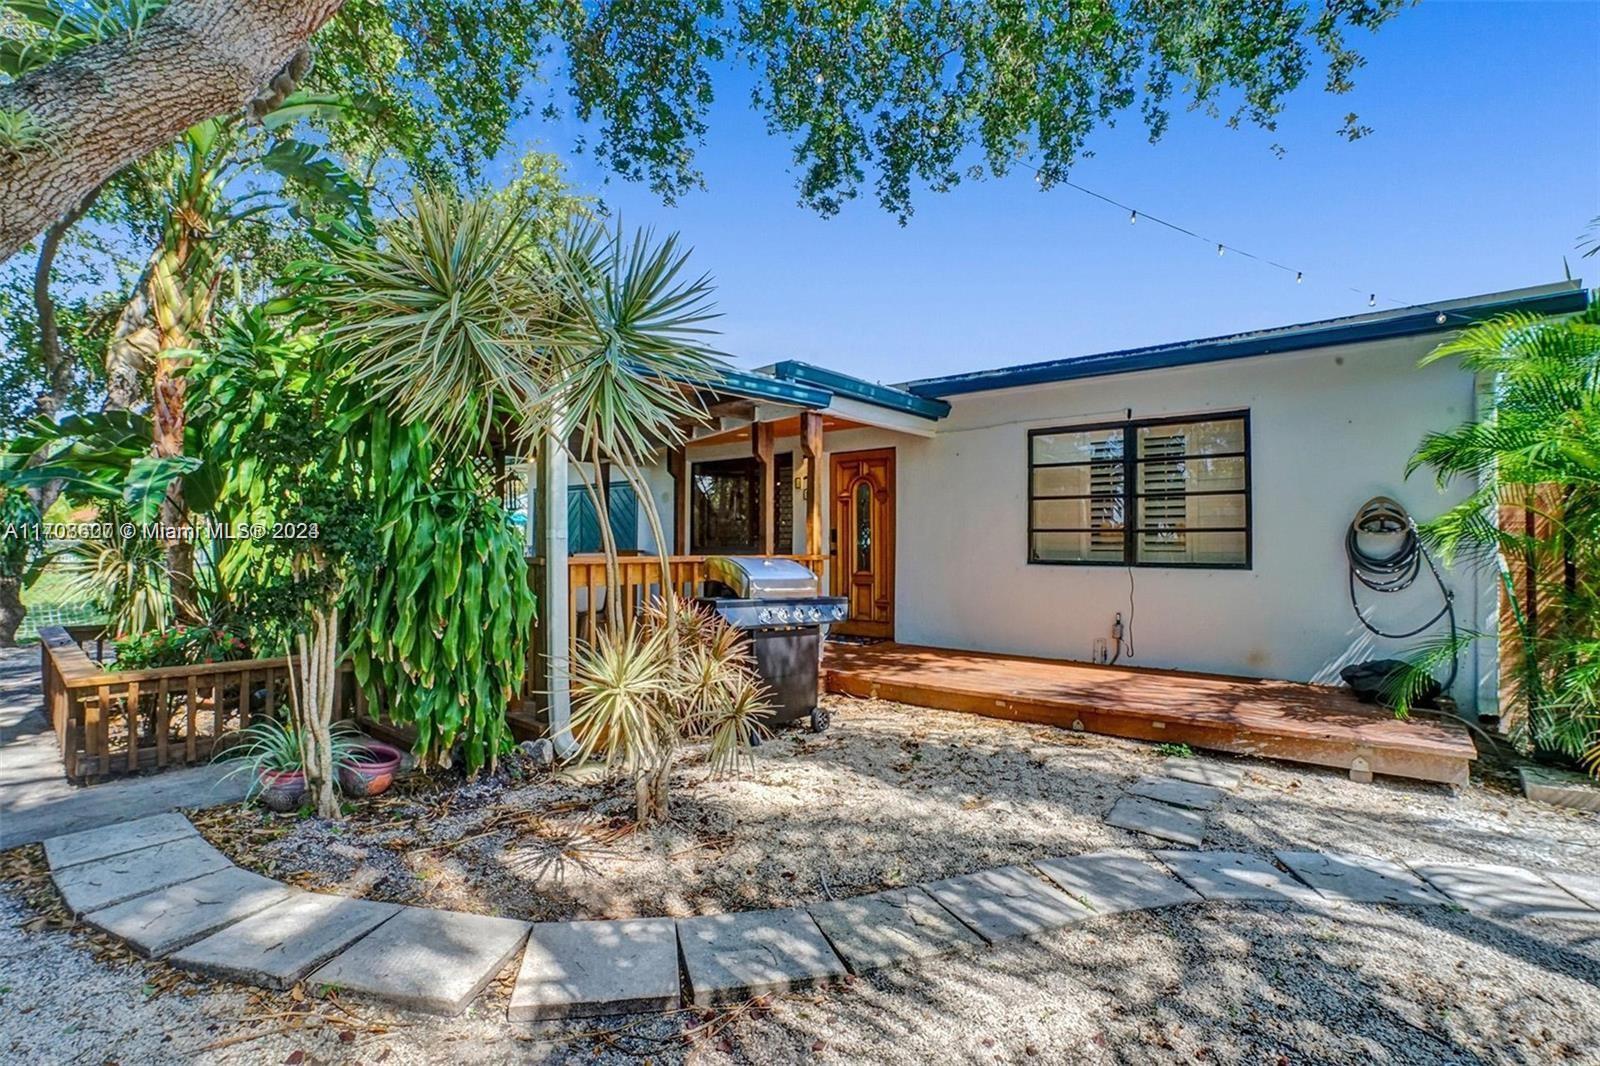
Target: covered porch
(786, 458)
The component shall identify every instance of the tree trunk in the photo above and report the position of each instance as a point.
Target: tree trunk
(314, 709)
(133, 345)
(113, 103)
(59, 364)
(11, 610)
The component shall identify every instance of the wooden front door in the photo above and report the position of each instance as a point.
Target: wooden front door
(862, 544)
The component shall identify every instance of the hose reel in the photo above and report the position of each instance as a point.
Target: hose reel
(1386, 555)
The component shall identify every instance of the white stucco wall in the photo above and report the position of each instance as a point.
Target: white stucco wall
(1329, 430)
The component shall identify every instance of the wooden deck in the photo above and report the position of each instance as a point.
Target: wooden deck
(1288, 720)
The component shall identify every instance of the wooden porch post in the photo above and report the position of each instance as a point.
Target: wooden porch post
(678, 467)
(761, 448)
(811, 450)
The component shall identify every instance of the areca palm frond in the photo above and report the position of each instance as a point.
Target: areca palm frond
(438, 313)
(1537, 451)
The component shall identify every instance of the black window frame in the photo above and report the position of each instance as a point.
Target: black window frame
(1130, 496)
(749, 468)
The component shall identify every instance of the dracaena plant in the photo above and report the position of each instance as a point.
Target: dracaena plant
(639, 692)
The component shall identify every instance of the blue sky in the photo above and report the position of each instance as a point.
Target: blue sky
(1482, 170)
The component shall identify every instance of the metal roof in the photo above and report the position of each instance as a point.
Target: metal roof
(1559, 298)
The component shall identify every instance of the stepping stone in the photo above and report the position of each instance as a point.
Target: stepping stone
(1560, 787)
(280, 945)
(1359, 878)
(1158, 820)
(1585, 886)
(871, 932)
(1234, 876)
(584, 969)
(424, 959)
(1177, 792)
(113, 840)
(1504, 892)
(160, 922)
(1217, 775)
(731, 957)
(1110, 882)
(1006, 902)
(90, 886)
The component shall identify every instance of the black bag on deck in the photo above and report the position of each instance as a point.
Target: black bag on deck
(1371, 682)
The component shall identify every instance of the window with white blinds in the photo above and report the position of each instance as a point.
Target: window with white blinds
(1144, 493)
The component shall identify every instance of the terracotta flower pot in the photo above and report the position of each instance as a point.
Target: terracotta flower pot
(282, 790)
(371, 769)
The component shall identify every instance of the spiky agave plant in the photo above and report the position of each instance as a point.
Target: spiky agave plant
(640, 692)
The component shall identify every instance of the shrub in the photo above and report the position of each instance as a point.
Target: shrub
(179, 646)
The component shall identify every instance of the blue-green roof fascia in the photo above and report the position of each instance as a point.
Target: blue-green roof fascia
(1411, 322)
(886, 396)
(766, 387)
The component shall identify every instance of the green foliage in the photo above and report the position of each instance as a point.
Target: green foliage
(21, 134)
(639, 692)
(280, 419)
(441, 635)
(271, 746)
(38, 31)
(180, 646)
(895, 94)
(1537, 450)
(1175, 751)
(438, 315)
(935, 93)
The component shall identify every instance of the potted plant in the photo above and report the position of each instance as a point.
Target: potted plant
(270, 752)
(368, 768)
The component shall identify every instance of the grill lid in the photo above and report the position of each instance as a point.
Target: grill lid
(756, 577)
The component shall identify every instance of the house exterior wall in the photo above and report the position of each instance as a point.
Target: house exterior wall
(1329, 430)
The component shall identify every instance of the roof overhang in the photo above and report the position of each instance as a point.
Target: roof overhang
(1560, 298)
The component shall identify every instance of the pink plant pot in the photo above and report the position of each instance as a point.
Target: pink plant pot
(282, 790)
(371, 769)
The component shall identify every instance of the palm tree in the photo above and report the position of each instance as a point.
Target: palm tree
(196, 191)
(1535, 452)
(462, 317)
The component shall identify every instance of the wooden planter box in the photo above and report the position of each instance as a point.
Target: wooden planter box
(114, 722)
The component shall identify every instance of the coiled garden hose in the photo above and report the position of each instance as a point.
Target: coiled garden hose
(1395, 570)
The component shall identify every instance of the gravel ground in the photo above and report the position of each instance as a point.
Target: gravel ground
(1209, 983)
(891, 795)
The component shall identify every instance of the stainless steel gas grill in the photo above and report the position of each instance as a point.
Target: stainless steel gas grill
(775, 601)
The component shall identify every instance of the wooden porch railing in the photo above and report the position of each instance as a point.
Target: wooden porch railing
(110, 722)
(589, 601)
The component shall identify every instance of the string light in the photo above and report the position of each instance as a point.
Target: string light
(1134, 215)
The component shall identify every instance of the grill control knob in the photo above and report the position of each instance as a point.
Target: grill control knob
(765, 615)
(838, 610)
(813, 614)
